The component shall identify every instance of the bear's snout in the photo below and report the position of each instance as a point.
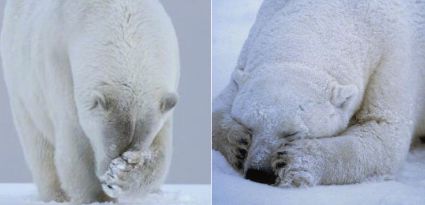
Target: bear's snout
(264, 176)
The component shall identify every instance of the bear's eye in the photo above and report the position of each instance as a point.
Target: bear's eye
(94, 105)
(248, 129)
(289, 134)
(99, 101)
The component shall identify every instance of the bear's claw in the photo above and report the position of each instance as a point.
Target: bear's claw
(118, 177)
(112, 190)
(293, 163)
(237, 150)
(233, 140)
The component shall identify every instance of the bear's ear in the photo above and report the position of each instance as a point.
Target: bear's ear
(343, 95)
(168, 102)
(100, 100)
(239, 76)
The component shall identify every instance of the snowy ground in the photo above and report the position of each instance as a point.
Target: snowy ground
(231, 23)
(25, 194)
(407, 189)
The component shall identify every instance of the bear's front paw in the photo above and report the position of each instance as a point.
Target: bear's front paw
(121, 171)
(234, 142)
(295, 165)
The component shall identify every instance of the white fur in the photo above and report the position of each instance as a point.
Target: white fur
(329, 92)
(88, 81)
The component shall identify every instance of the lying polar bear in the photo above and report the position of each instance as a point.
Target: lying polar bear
(92, 85)
(325, 92)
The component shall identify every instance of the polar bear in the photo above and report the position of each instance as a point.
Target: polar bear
(325, 92)
(92, 87)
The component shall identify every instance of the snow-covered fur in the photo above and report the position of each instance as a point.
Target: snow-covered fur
(92, 85)
(325, 92)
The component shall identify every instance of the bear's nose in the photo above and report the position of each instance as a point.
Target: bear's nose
(263, 176)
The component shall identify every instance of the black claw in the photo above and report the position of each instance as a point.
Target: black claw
(242, 152)
(280, 165)
(239, 165)
(110, 175)
(243, 141)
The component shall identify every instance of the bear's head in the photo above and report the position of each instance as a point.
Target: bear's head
(117, 118)
(125, 70)
(292, 102)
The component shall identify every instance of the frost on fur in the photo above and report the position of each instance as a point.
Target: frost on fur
(93, 86)
(329, 92)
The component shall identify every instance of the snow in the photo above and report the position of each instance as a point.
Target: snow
(231, 21)
(25, 194)
(408, 188)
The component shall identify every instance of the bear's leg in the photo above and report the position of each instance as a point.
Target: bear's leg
(39, 154)
(228, 136)
(140, 171)
(374, 148)
(375, 145)
(231, 139)
(76, 166)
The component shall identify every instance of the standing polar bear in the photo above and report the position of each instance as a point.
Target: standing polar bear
(325, 92)
(92, 85)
